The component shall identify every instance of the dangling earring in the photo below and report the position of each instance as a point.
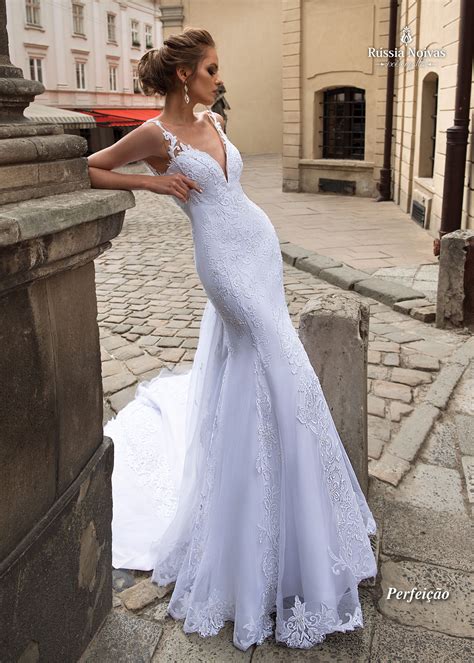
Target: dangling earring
(186, 96)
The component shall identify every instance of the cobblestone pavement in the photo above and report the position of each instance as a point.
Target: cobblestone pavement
(150, 305)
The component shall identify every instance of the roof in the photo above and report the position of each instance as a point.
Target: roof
(122, 117)
(50, 115)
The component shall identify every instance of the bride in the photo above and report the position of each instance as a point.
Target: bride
(231, 480)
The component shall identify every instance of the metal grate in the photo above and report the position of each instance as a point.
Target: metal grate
(337, 186)
(418, 212)
(343, 123)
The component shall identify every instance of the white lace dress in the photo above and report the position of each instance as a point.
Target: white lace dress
(231, 479)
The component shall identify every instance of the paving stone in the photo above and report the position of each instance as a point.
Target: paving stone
(375, 446)
(343, 276)
(315, 262)
(450, 616)
(124, 638)
(111, 368)
(391, 359)
(384, 291)
(424, 313)
(410, 377)
(112, 343)
(117, 382)
(375, 406)
(433, 348)
(384, 346)
(143, 330)
(428, 536)
(463, 399)
(420, 361)
(373, 357)
(404, 337)
(104, 355)
(172, 354)
(440, 447)
(392, 390)
(121, 329)
(431, 486)
(122, 398)
(122, 579)
(127, 351)
(141, 594)
(142, 364)
(379, 427)
(163, 342)
(464, 426)
(399, 643)
(399, 410)
(377, 372)
(389, 468)
(440, 391)
(414, 431)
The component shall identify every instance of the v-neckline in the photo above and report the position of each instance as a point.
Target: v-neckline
(225, 172)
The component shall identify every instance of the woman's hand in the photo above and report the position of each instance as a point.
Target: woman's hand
(173, 185)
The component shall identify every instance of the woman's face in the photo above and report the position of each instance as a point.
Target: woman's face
(202, 88)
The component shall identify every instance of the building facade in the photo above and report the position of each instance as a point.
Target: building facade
(86, 53)
(334, 74)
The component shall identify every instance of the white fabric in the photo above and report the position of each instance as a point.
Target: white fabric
(231, 480)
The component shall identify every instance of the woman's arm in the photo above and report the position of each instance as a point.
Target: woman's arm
(136, 146)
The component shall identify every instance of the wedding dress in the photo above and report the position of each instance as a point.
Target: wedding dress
(230, 479)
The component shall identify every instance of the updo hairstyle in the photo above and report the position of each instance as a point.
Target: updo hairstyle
(157, 67)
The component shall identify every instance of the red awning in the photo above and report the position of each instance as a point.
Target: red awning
(121, 117)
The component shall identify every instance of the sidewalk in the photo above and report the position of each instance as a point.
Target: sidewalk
(420, 386)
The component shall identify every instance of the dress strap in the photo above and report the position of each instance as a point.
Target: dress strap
(174, 144)
(216, 122)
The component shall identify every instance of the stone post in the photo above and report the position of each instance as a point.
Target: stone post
(334, 330)
(455, 301)
(55, 491)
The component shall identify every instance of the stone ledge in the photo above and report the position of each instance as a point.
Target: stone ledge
(43, 216)
(344, 276)
(315, 263)
(387, 292)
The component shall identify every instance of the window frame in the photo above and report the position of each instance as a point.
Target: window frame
(81, 18)
(80, 77)
(148, 35)
(135, 79)
(35, 60)
(113, 25)
(337, 125)
(135, 33)
(33, 9)
(113, 76)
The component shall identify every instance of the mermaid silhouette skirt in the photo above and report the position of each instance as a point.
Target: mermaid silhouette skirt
(230, 479)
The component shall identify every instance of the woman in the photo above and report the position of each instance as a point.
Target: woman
(231, 480)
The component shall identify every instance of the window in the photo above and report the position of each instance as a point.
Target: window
(135, 81)
(111, 36)
(33, 15)
(113, 77)
(148, 36)
(344, 123)
(134, 28)
(78, 18)
(80, 75)
(36, 69)
(429, 113)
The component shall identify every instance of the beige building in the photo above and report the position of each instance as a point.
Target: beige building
(334, 100)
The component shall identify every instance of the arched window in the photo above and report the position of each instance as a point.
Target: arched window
(343, 123)
(429, 111)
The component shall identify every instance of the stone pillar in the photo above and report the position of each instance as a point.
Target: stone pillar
(334, 330)
(55, 520)
(291, 91)
(455, 301)
(172, 17)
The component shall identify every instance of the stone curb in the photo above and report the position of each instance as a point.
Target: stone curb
(394, 463)
(397, 296)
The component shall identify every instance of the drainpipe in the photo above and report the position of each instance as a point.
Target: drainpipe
(384, 186)
(457, 135)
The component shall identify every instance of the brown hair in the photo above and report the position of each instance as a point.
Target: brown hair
(157, 67)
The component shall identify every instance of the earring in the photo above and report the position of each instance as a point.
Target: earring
(186, 96)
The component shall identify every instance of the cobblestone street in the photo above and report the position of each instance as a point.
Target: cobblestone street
(150, 304)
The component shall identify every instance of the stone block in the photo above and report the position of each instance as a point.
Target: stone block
(384, 291)
(334, 331)
(375, 406)
(314, 263)
(389, 468)
(455, 295)
(414, 431)
(121, 398)
(344, 276)
(421, 362)
(56, 586)
(451, 616)
(440, 391)
(408, 305)
(117, 382)
(399, 410)
(124, 352)
(468, 469)
(290, 252)
(410, 377)
(142, 594)
(142, 364)
(392, 390)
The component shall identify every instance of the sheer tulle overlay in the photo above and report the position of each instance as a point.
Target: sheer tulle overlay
(231, 479)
